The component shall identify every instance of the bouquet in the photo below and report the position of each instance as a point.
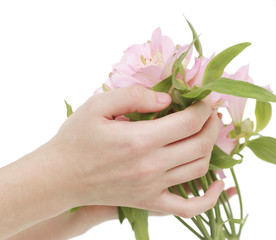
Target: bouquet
(162, 66)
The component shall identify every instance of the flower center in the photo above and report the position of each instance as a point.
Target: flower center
(156, 59)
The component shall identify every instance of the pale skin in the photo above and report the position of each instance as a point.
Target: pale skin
(96, 160)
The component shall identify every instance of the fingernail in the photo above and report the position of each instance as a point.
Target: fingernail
(163, 98)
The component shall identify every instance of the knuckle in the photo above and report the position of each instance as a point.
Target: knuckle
(144, 172)
(187, 213)
(206, 146)
(203, 168)
(194, 124)
(137, 144)
(211, 203)
(136, 93)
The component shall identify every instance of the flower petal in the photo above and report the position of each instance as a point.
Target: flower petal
(148, 76)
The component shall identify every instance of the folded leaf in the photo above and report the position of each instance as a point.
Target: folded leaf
(121, 215)
(197, 93)
(263, 112)
(264, 148)
(217, 65)
(163, 86)
(195, 36)
(138, 219)
(221, 160)
(177, 68)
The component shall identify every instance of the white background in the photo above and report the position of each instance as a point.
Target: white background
(56, 50)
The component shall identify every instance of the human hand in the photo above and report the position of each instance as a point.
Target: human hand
(120, 163)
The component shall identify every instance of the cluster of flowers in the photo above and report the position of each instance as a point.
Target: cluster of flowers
(149, 63)
(161, 65)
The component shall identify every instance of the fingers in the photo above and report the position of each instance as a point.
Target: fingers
(231, 191)
(197, 146)
(187, 172)
(173, 204)
(176, 126)
(131, 99)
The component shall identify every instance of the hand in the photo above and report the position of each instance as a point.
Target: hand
(68, 225)
(119, 163)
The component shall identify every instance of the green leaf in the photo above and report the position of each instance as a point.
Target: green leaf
(69, 109)
(121, 215)
(264, 148)
(176, 68)
(163, 86)
(221, 160)
(217, 65)
(178, 99)
(139, 221)
(263, 112)
(74, 209)
(240, 89)
(165, 111)
(199, 93)
(232, 87)
(136, 116)
(195, 36)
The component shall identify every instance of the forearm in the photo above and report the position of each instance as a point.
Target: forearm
(31, 191)
(68, 225)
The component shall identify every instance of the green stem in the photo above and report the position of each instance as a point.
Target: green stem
(193, 189)
(240, 198)
(217, 209)
(196, 220)
(181, 190)
(205, 185)
(227, 211)
(189, 227)
(225, 196)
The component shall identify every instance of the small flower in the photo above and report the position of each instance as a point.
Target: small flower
(147, 64)
(224, 140)
(236, 105)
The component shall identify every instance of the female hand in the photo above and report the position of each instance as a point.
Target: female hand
(120, 163)
(96, 160)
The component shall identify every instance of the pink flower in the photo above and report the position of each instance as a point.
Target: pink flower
(147, 64)
(224, 141)
(236, 105)
(195, 76)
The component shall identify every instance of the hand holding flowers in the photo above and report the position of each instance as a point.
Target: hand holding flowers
(163, 67)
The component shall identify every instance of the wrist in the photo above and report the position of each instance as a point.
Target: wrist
(33, 189)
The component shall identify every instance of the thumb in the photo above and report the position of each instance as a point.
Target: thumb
(131, 99)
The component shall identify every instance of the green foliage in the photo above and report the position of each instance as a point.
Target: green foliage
(264, 148)
(221, 160)
(69, 109)
(74, 209)
(163, 86)
(197, 42)
(138, 219)
(234, 88)
(263, 112)
(178, 68)
(217, 65)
